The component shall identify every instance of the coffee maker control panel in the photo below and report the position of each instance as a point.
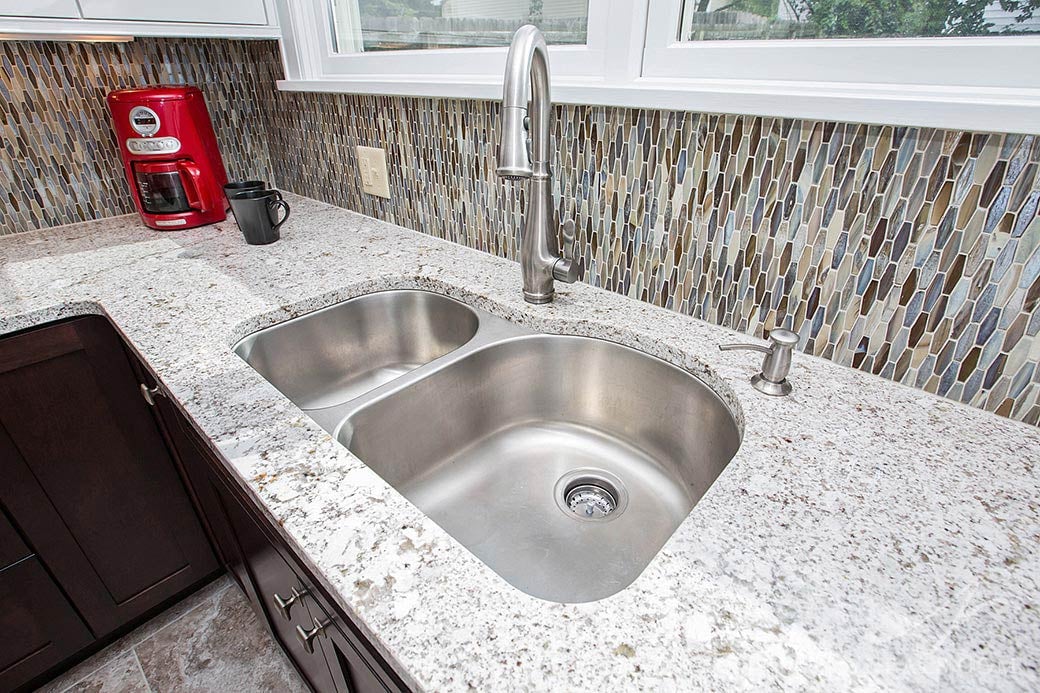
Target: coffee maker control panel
(153, 145)
(144, 120)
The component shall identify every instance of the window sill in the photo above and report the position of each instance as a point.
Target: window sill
(985, 109)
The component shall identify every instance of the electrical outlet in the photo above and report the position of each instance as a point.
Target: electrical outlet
(372, 165)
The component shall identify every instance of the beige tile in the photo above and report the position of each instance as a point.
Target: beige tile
(218, 646)
(124, 645)
(121, 675)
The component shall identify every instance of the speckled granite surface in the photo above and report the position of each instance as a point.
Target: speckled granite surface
(867, 536)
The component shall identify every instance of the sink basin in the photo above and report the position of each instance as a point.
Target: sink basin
(564, 463)
(333, 355)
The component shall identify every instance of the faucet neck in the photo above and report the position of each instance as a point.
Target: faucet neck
(527, 87)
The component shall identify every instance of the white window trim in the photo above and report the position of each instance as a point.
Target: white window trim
(633, 59)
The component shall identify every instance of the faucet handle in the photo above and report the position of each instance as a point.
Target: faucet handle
(567, 268)
(772, 380)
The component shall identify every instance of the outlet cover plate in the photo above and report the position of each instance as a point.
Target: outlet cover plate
(372, 167)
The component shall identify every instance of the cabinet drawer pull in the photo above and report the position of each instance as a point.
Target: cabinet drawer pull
(306, 637)
(150, 393)
(285, 605)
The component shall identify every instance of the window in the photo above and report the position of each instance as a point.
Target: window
(948, 63)
(389, 25)
(714, 20)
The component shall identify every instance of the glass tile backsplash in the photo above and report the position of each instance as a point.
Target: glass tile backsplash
(911, 253)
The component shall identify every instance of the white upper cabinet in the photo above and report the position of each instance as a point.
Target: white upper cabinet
(213, 18)
(39, 8)
(208, 11)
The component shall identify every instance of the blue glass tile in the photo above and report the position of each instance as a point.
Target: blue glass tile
(934, 292)
(1026, 214)
(865, 276)
(1004, 260)
(971, 387)
(948, 379)
(988, 326)
(996, 211)
(913, 309)
(965, 343)
(1031, 270)
(925, 371)
(984, 302)
(995, 370)
(1021, 380)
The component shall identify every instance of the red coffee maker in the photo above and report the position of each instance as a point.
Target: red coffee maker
(170, 154)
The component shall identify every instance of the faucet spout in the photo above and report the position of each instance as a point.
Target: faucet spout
(523, 154)
(524, 145)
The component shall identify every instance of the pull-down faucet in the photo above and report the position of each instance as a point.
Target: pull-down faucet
(524, 152)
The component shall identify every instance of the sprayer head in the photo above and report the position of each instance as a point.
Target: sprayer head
(514, 159)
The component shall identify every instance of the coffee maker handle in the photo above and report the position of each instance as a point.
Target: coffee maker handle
(191, 175)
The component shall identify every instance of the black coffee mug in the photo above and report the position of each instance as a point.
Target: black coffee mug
(243, 186)
(256, 212)
(235, 187)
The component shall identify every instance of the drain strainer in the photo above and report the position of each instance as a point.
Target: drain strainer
(591, 494)
(591, 501)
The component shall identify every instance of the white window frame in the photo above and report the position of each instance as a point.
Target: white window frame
(633, 58)
(313, 64)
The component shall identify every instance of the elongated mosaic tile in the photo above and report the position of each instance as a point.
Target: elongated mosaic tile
(911, 253)
(58, 155)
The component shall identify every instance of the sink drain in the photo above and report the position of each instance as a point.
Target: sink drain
(591, 501)
(591, 494)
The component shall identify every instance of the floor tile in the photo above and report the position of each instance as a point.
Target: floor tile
(218, 646)
(121, 675)
(117, 649)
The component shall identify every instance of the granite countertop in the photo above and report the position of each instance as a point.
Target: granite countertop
(866, 536)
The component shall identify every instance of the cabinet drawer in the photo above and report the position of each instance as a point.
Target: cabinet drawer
(204, 11)
(350, 667)
(337, 659)
(40, 8)
(275, 585)
(38, 627)
(282, 591)
(12, 548)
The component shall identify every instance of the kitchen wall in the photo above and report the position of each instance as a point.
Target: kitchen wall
(59, 162)
(912, 253)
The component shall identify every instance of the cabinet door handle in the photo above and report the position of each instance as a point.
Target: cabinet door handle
(150, 393)
(285, 605)
(306, 637)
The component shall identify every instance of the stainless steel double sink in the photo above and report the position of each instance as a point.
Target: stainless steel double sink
(564, 463)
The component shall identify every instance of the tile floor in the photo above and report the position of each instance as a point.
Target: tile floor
(211, 641)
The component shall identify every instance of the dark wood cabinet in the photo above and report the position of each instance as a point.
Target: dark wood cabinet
(283, 593)
(352, 670)
(38, 627)
(12, 548)
(277, 587)
(86, 477)
(112, 505)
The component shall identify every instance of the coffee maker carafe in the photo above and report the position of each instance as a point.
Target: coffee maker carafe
(170, 154)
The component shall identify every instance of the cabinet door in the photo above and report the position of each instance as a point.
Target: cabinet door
(264, 568)
(352, 672)
(275, 581)
(12, 548)
(86, 475)
(38, 627)
(196, 463)
(207, 11)
(42, 9)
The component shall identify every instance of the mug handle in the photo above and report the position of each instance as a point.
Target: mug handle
(274, 204)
